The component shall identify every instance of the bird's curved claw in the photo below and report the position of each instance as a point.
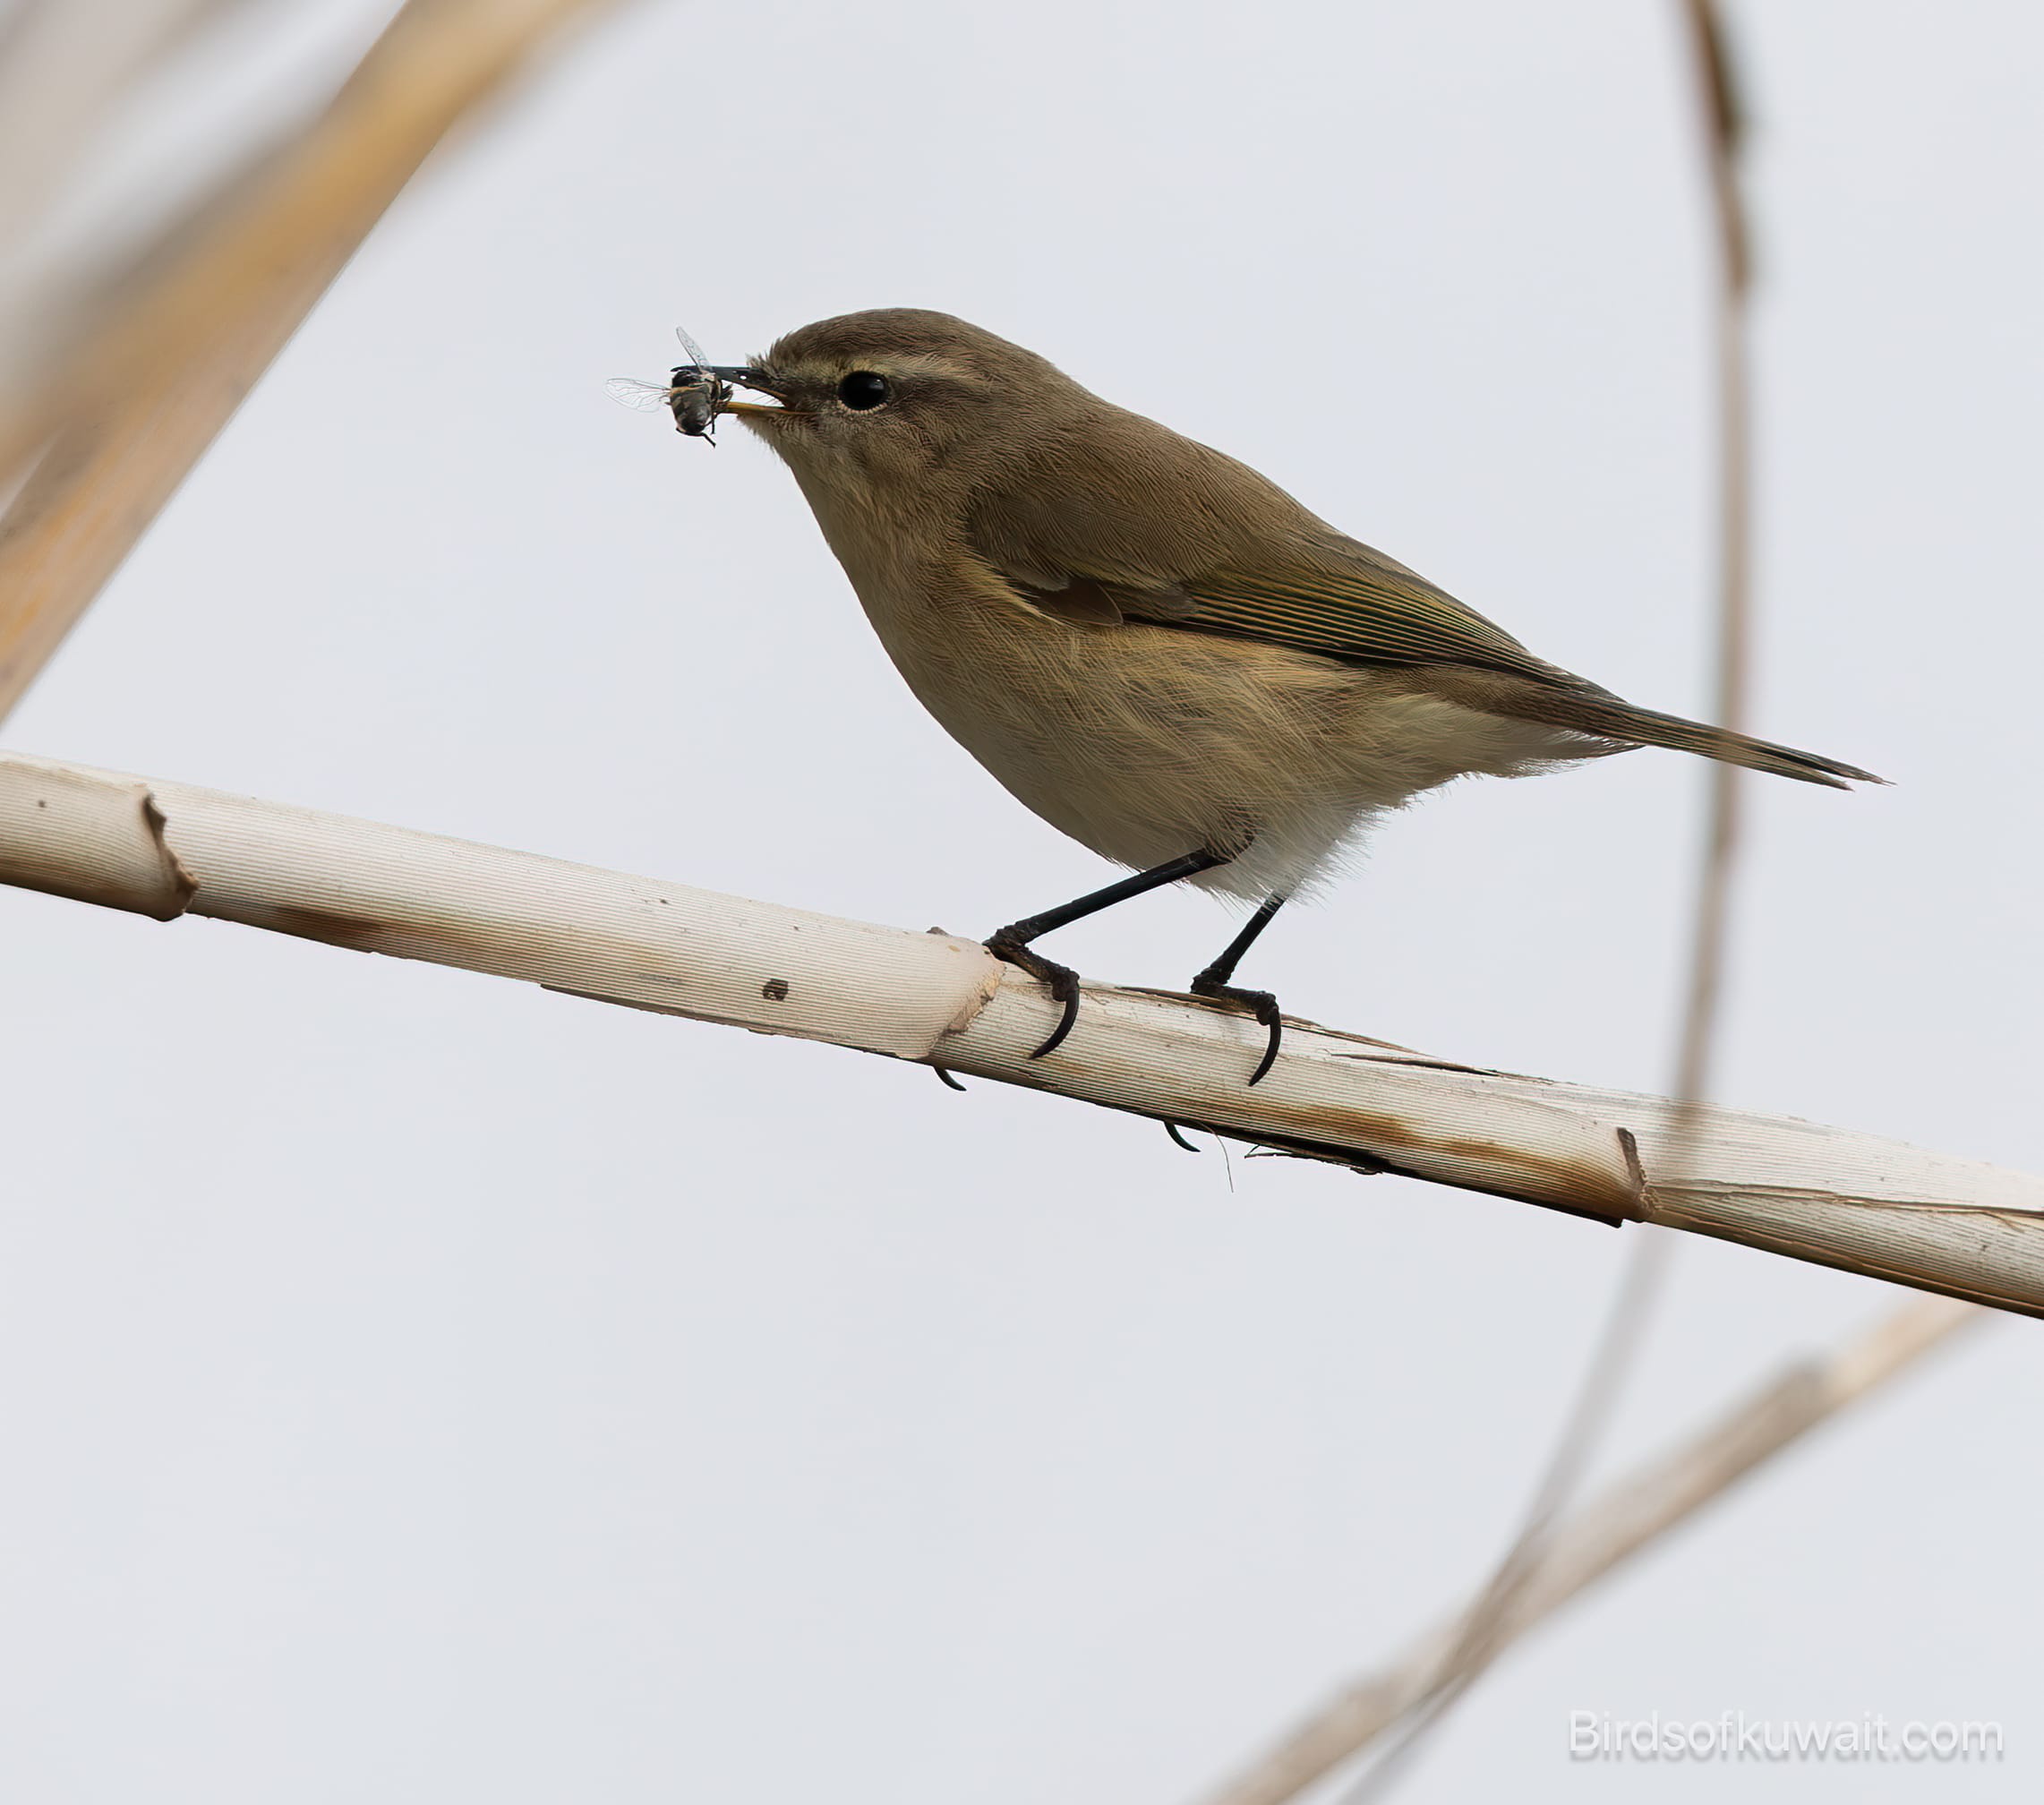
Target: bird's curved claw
(1061, 980)
(1259, 1004)
(1275, 1022)
(1177, 1137)
(1063, 984)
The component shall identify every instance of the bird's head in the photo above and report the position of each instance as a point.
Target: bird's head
(901, 403)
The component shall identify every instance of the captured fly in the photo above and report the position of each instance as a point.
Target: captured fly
(695, 393)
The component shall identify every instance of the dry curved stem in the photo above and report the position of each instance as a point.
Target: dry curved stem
(114, 433)
(1617, 1346)
(1632, 1516)
(1723, 135)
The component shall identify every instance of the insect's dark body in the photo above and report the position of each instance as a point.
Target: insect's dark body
(699, 396)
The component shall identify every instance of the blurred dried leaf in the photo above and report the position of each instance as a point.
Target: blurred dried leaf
(213, 302)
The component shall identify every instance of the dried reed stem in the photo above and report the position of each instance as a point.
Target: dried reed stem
(1633, 1515)
(136, 398)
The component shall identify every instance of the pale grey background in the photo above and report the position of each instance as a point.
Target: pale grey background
(419, 1387)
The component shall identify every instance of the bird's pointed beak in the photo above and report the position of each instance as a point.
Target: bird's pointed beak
(761, 382)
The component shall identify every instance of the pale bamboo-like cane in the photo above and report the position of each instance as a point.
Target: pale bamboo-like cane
(137, 396)
(1845, 1200)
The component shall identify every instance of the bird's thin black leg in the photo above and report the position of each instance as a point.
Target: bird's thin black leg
(1213, 983)
(1012, 943)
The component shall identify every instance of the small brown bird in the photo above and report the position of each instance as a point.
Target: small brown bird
(1155, 648)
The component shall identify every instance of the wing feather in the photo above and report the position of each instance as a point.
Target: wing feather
(1158, 528)
(1347, 603)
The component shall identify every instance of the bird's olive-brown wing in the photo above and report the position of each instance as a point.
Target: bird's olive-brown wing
(1134, 523)
(1345, 602)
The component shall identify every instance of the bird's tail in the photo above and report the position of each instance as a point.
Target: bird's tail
(1607, 717)
(1576, 706)
(1571, 703)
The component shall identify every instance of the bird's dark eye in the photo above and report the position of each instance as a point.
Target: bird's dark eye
(863, 388)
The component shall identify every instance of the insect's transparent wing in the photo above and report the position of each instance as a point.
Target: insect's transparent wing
(641, 397)
(694, 350)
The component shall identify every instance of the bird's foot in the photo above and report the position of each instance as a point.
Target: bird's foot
(1260, 1004)
(1061, 980)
